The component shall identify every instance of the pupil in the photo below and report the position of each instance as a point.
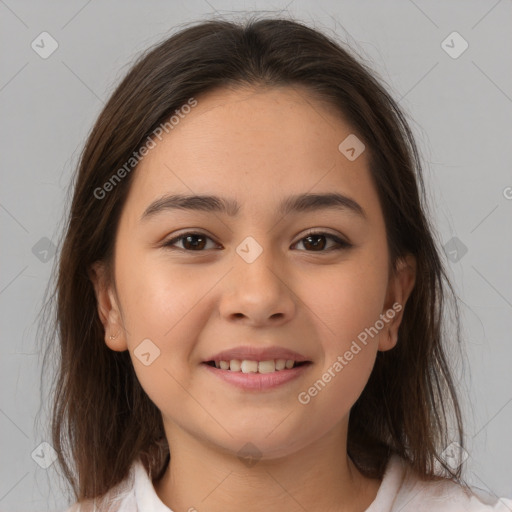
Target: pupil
(194, 244)
(316, 245)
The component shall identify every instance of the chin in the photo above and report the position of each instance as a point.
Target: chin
(257, 444)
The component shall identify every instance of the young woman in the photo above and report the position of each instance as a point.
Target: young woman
(250, 301)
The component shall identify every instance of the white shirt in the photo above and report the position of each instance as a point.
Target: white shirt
(400, 490)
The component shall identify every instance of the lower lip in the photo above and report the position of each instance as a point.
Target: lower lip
(258, 381)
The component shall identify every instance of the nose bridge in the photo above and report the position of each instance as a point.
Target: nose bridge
(255, 261)
(258, 291)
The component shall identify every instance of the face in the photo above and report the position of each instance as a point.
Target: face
(313, 280)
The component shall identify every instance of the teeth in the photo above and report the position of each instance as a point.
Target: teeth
(247, 366)
(266, 366)
(280, 364)
(235, 365)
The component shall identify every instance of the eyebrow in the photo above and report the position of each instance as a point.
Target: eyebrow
(294, 204)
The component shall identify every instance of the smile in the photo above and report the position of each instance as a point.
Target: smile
(248, 366)
(257, 375)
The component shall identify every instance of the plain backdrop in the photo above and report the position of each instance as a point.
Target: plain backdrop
(459, 104)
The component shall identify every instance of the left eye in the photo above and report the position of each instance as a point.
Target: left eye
(197, 242)
(311, 239)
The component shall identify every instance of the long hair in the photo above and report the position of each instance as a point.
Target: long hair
(102, 420)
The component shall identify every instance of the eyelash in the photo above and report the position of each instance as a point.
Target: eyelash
(342, 244)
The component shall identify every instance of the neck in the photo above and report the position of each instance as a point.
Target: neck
(317, 477)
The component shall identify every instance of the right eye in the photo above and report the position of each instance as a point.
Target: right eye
(192, 242)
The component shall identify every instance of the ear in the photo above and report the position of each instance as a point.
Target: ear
(400, 286)
(108, 308)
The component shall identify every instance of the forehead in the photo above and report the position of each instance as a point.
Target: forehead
(257, 144)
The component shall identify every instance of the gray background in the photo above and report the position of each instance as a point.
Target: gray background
(460, 110)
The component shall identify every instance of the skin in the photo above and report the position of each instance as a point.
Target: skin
(257, 146)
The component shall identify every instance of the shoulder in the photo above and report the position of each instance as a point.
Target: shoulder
(448, 496)
(135, 492)
(120, 498)
(445, 495)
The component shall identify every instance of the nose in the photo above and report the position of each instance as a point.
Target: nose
(258, 292)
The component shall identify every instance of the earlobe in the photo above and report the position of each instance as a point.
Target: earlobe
(115, 334)
(108, 309)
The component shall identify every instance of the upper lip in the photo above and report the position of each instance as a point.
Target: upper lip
(257, 354)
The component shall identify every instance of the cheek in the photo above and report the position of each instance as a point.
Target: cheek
(157, 301)
(168, 304)
(349, 299)
(156, 295)
(348, 308)
(334, 389)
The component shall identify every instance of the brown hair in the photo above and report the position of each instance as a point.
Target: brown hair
(102, 420)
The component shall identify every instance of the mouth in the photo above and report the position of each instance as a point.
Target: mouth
(250, 366)
(257, 376)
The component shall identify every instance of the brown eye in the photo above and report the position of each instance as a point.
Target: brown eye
(190, 242)
(313, 242)
(316, 242)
